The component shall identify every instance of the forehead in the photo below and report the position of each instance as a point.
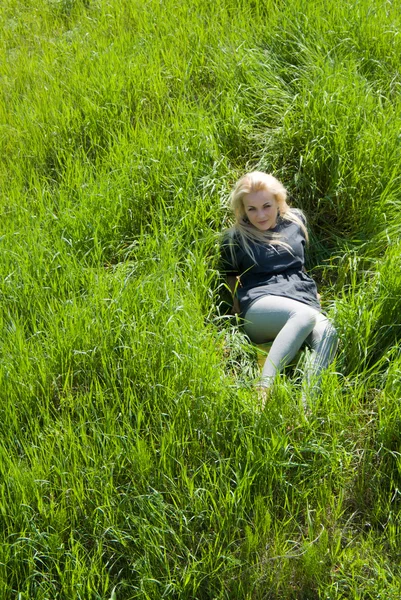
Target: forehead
(258, 198)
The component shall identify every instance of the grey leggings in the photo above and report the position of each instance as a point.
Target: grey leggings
(290, 323)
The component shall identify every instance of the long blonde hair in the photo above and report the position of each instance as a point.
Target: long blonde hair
(248, 234)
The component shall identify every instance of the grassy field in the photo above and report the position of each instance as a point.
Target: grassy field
(134, 462)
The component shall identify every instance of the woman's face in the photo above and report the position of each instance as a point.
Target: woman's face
(261, 208)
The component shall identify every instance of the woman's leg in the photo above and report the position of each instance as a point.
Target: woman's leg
(323, 341)
(283, 320)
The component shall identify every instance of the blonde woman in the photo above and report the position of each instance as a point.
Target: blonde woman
(263, 256)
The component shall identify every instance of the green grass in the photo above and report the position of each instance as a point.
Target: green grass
(134, 462)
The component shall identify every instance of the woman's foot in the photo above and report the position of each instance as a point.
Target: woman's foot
(306, 406)
(264, 394)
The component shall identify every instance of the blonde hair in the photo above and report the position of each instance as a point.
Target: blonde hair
(248, 234)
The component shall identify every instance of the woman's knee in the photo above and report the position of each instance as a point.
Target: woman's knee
(305, 317)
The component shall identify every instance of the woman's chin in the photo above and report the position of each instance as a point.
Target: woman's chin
(264, 226)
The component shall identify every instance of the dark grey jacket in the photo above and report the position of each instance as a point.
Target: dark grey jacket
(277, 270)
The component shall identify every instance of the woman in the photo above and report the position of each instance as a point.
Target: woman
(263, 258)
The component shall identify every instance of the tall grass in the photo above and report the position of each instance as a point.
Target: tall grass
(134, 460)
